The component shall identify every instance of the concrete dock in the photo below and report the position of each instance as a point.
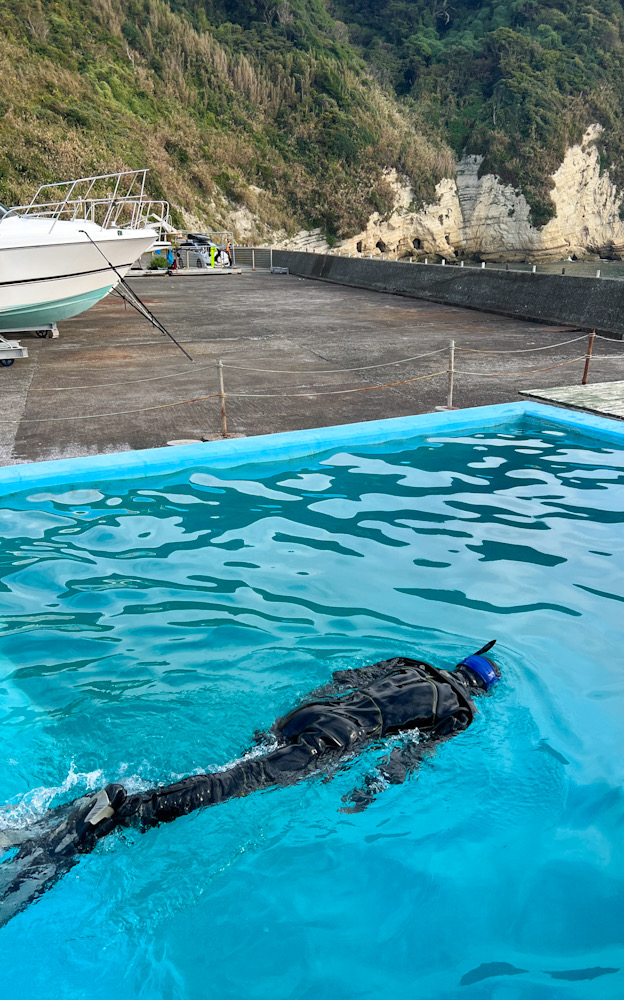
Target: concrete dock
(112, 382)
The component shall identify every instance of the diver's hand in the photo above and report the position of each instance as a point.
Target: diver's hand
(358, 799)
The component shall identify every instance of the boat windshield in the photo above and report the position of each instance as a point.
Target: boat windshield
(4, 212)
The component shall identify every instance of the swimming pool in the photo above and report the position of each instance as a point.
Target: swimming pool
(150, 628)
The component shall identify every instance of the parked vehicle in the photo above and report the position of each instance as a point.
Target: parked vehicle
(200, 251)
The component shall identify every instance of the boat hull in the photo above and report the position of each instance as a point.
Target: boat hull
(55, 275)
(42, 314)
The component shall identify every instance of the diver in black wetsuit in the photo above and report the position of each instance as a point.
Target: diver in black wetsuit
(359, 706)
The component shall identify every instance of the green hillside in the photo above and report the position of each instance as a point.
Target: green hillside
(290, 110)
(517, 80)
(260, 106)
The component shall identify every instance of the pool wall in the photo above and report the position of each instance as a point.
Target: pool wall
(586, 303)
(271, 448)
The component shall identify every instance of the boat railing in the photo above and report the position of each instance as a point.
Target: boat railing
(112, 201)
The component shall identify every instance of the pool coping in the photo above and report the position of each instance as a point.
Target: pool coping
(288, 445)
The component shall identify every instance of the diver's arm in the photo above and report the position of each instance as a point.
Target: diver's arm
(394, 769)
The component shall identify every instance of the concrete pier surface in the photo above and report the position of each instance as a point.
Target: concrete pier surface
(112, 382)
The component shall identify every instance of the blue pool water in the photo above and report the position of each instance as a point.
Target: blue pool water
(149, 630)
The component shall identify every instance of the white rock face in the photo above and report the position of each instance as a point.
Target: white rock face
(496, 222)
(482, 217)
(434, 229)
(588, 203)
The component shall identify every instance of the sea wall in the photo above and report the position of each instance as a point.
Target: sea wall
(584, 303)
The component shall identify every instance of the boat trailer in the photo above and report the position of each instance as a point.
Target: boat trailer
(12, 349)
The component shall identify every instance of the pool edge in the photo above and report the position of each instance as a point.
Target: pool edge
(285, 445)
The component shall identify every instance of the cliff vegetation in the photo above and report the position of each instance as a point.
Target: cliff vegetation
(290, 112)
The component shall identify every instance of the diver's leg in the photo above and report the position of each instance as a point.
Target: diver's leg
(53, 847)
(41, 861)
(283, 766)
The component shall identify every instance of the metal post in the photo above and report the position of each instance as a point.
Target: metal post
(534, 269)
(443, 262)
(253, 259)
(222, 395)
(598, 273)
(563, 270)
(451, 372)
(590, 345)
(271, 264)
(426, 260)
(483, 265)
(461, 263)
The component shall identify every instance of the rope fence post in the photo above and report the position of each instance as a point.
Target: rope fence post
(222, 395)
(590, 346)
(451, 374)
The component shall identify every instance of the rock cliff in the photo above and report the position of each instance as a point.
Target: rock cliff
(482, 217)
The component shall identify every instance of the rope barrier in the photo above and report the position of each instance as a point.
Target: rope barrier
(134, 381)
(532, 371)
(114, 413)
(332, 392)
(325, 371)
(273, 371)
(607, 357)
(214, 395)
(335, 371)
(312, 391)
(524, 350)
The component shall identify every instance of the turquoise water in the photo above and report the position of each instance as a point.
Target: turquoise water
(149, 631)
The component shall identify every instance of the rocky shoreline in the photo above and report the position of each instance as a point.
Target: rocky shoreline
(480, 218)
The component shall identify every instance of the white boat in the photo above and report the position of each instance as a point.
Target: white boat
(60, 256)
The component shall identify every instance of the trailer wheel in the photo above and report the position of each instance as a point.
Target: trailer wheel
(7, 362)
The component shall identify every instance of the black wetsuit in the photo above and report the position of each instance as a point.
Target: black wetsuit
(397, 695)
(358, 708)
